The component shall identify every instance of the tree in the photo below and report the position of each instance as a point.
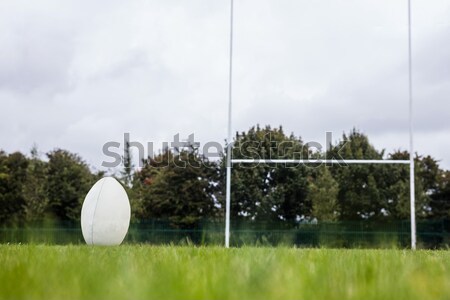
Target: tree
(69, 180)
(178, 187)
(12, 176)
(440, 200)
(35, 188)
(426, 184)
(323, 192)
(359, 194)
(263, 191)
(397, 191)
(127, 172)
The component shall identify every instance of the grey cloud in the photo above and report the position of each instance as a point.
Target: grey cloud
(78, 74)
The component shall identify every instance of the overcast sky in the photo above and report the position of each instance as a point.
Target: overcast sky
(77, 74)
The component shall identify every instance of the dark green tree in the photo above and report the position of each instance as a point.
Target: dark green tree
(380, 191)
(398, 189)
(177, 187)
(69, 180)
(13, 170)
(127, 161)
(359, 194)
(265, 191)
(323, 194)
(440, 200)
(35, 188)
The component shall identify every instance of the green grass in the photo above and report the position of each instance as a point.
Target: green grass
(157, 272)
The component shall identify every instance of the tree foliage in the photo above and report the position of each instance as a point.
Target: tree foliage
(178, 187)
(68, 181)
(268, 191)
(323, 194)
(185, 187)
(13, 172)
(34, 191)
(440, 200)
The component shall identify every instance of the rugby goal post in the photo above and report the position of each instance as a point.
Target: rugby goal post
(231, 161)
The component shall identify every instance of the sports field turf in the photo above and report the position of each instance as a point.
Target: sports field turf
(158, 272)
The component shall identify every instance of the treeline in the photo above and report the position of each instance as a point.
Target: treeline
(186, 188)
(34, 188)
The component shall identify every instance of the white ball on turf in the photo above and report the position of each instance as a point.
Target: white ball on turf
(106, 212)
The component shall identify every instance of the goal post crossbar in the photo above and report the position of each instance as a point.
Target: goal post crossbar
(320, 161)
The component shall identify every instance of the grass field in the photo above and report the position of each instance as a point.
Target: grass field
(157, 272)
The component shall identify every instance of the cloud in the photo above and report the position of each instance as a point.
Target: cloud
(78, 74)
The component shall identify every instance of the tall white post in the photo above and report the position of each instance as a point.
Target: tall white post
(229, 142)
(411, 145)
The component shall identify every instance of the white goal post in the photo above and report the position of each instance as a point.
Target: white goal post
(231, 161)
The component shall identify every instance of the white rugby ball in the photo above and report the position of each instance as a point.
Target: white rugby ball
(106, 212)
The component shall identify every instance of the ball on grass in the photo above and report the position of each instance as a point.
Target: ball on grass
(106, 212)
